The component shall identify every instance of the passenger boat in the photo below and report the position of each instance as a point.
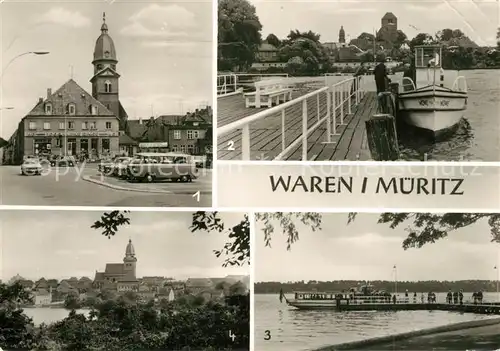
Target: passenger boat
(427, 103)
(365, 296)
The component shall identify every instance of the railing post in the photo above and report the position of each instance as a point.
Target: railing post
(304, 130)
(342, 86)
(235, 77)
(328, 118)
(317, 106)
(245, 143)
(334, 108)
(349, 98)
(283, 130)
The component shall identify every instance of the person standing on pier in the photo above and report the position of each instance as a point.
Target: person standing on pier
(455, 297)
(381, 78)
(449, 296)
(461, 296)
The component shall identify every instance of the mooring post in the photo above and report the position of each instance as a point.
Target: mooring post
(382, 137)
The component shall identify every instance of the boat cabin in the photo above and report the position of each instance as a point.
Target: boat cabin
(428, 56)
(315, 295)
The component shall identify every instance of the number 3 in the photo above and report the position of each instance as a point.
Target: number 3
(230, 145)
(267, 334)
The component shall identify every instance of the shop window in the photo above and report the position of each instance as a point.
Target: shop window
(105, 145)
(177, 134)
(48, 108)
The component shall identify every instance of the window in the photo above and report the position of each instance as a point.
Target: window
(71, 125)
(107, 86)
(46, 125)
(196, 134)
(93, 110)
(32, 125)
(175, 148)
(177, 134)
(61, 125)
(190, 149)
(99, 67)
(71, 109)
(190, 134)
(183, 148)
(108, 125)
(93, 125)
(85, 125)
(193, 134)
(48, 108)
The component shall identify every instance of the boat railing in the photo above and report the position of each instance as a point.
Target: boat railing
(408, 84)
(460, 87)
(232, 83)
(337, 96)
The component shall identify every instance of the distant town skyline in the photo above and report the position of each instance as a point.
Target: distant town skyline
(477, 19)
(365, 250)
(164, 52)
(61, 244)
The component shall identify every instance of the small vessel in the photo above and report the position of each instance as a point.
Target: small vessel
(365, 295)
(427, 103)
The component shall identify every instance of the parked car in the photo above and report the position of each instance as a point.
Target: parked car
(105, 165)
(62, 161)
(120, 166)
(150, 167)
(31, 166)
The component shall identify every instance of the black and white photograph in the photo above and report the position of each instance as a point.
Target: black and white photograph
(106, 103)
(358, 80)
(93, 280)
(376, 281)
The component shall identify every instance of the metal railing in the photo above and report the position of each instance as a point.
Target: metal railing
(229, 83)
(456, 84)
(339, 95)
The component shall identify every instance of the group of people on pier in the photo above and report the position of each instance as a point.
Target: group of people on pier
(455, 297)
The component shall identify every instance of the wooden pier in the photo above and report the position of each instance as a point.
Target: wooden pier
(483, 308)
(266, 142)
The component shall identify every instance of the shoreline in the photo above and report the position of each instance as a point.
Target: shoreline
(374, 342)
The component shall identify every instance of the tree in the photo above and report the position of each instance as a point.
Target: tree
(420, 39)
(238, 34)
(498, 38)
(273, 40)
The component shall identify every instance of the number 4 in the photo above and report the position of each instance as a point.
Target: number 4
(231, 335)
(230, 145)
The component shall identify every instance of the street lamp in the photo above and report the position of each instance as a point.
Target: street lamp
(38, 53)
(395, 280)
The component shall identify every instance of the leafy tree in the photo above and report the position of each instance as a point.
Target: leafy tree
(273, 40)
(421, 39)
(366, 36)
(238, 34)
(71, 302)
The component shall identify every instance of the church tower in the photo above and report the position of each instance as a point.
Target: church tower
(129, 261)
(342, 35)
(105, 81)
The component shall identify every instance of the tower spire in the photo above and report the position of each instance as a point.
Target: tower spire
(104, 27)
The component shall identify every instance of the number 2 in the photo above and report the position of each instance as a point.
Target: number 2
(267, 335)
(230, 145)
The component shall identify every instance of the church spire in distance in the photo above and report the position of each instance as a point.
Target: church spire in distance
(104, 27)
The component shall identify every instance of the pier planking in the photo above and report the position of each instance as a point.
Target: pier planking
(348, 144)
(484, 308)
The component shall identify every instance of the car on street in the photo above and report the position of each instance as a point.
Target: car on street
(150, 167)
(31, 166)
(62, 161)
(120, 166)
(105, 165)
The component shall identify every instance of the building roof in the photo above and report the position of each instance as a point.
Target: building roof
(389, 15)
(199, 283)
(265, 46)
(70, 92)
(99, 276)
(130, 250)
(114, 268)
(42, 292)
(124, 139)
(104, 46)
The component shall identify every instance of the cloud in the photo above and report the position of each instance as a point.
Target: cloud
(64, 17)
(172, 22)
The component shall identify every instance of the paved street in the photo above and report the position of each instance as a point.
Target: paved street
(67, 187)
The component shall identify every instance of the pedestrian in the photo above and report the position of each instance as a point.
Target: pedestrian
(455, 297)
(422, 298)
(474, 297)
(449, 296)
(461, 297)
(381, 78)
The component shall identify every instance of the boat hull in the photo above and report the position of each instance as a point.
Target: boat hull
(436, 111)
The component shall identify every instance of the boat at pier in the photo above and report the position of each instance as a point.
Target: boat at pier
(425, 102)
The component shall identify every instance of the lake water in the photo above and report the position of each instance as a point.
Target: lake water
(294, 330)
(49, 315)
(478, 136)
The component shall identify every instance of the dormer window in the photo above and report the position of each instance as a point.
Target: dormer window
(48, 108)
(93, 110)
(71, 109)
(99, 67)
(107, 86)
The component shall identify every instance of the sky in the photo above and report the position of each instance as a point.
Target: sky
(164, 52)
(65, 245)
(478, 19)
(365, 250)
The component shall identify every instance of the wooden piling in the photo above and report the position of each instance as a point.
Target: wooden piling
(382, 137)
